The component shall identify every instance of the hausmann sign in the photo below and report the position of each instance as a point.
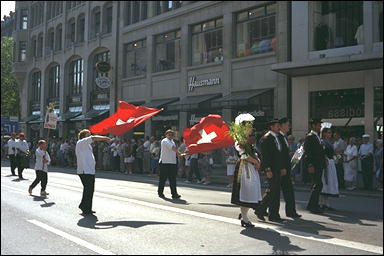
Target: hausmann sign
(193, 83)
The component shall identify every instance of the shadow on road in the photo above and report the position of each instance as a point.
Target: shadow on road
(341, 216)
(91, 221)
(176, 201)
(308, 226)
(281, 245)
(222, 205)
(42, 198)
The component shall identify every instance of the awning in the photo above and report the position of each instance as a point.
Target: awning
(242, 98)
(38, 121)
(160, 103)
(68, 115)
(330, 65)
(29, 118)
(192, 102)
(90, 115)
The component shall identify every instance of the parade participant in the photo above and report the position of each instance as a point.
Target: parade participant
(350, 164)
(339, 147)
(286, 182)
(22, 155)
(12, 152)
(329, 177)
(231, 160)
(146, 155)
(168, 164)
(86, 167)
(366, 156)
(315, 162)
(274, 167)
(246, 188)
(41, 168)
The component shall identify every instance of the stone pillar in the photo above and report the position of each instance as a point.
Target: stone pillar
(182, 121)
(369, 104)
(227, 115)
(300, 106)
(368, 25)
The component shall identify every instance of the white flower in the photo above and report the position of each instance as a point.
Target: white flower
(243, 118)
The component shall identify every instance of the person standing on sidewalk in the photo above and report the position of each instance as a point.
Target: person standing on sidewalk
(286, 182)
(86, 167)
(366, 156)
(41, 168)
(168, 165)
(12, 152)
(315, 162)
(350, 164)
(339, 146)
(146, 156)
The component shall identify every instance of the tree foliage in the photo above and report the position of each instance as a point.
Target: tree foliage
(10, 98)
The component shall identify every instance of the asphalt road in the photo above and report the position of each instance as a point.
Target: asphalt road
(131, 219)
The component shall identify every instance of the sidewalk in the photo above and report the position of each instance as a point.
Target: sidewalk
(218, 178)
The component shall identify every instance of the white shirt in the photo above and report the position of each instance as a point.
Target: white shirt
(339, 146)
(146, 145)
(276, 140)
(85, 158)
(12, 144)
(350, 152)
(167, 155)
(365, 149)
(22, 145)
(40, 155)
(317, 135)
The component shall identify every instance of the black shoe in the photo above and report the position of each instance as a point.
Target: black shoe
(176, 196)
(247, 224)
(294, 215)
(279, 220)
(13, 174)
(239, 216)
(161, 195)
(315, 210)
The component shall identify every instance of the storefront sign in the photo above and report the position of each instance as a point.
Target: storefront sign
(346, 112)
(103, 66)
(103, 82)
(200, 83)
(165, 118)
(255, 113)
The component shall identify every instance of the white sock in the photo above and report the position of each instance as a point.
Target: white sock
(244, 213)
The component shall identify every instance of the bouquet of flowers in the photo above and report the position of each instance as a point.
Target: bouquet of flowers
(240, 133)
(297, 156)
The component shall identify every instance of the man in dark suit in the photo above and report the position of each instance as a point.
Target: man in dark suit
(286, 182)
(315, 162)
(271, 152)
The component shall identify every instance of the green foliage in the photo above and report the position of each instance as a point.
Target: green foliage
(240, 133)
(10, 98)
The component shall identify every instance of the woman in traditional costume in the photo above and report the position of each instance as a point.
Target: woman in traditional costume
(246, 190)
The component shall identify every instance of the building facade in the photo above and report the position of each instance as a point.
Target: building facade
(191, 58)
(336, 68)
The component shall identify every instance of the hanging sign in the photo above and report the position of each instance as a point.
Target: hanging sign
(103, 82)
(103, 67)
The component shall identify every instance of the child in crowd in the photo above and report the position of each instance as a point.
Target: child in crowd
(41, 168)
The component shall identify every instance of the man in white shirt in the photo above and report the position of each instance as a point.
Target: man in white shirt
(12, 152)
(366, 156)
(168, 165)
(41, 167)
(22, 155)
(86, 167)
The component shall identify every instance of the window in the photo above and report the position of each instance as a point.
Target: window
(165, 6)
(207, 42)
(71, 32)
(96, 22)
(54, 82)
(76, 78)
(34, 46)
(167, 51)
(108, 16)
(24, 19)
(50, 40)
(255, 31)
(103, 56)
(81, 29)
(36, 86)
(337, 24)
(136, 12)
(127, 13)
(40, 45)
(22, 50)
(144, 10)
(377, 21)
(135, 58)
(59, 31)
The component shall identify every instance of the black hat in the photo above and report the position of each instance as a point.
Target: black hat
(315, 121)
(273, 121)
(283, 120)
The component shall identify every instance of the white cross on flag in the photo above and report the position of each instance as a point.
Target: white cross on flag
(209, 134)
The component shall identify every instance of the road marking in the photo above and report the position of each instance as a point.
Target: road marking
(285, 231)
(74, 239)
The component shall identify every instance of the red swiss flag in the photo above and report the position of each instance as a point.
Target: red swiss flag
(209, 134)
(126, 118)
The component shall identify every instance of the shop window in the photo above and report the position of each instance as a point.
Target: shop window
(54, 82)
(76, 78)
(207, 42)
(168, 51)
(337, 24)
(22, 50)
(256, 31)
(24, 19)
(378, 102)
(135, 58)
(335, 104)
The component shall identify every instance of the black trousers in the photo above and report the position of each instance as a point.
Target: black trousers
(194, 169)
(13, 160)
(88, 181)
(288, 193)
(167, 171)
(340, 174)
(367, 171)
(317, 186)
(40, 176)
(271, 198)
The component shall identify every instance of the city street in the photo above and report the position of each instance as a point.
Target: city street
(131, 219)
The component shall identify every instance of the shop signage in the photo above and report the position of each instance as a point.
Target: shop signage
(346, 112)
(255, 113)
(193, 83)
(103, 82)
(165, 118)
(103, 66)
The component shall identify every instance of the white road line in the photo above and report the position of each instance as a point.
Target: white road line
(74, 239)
(290, 232)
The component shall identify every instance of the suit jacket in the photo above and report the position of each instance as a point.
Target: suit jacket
(314, 152)
(286, 159)
(271, 156)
